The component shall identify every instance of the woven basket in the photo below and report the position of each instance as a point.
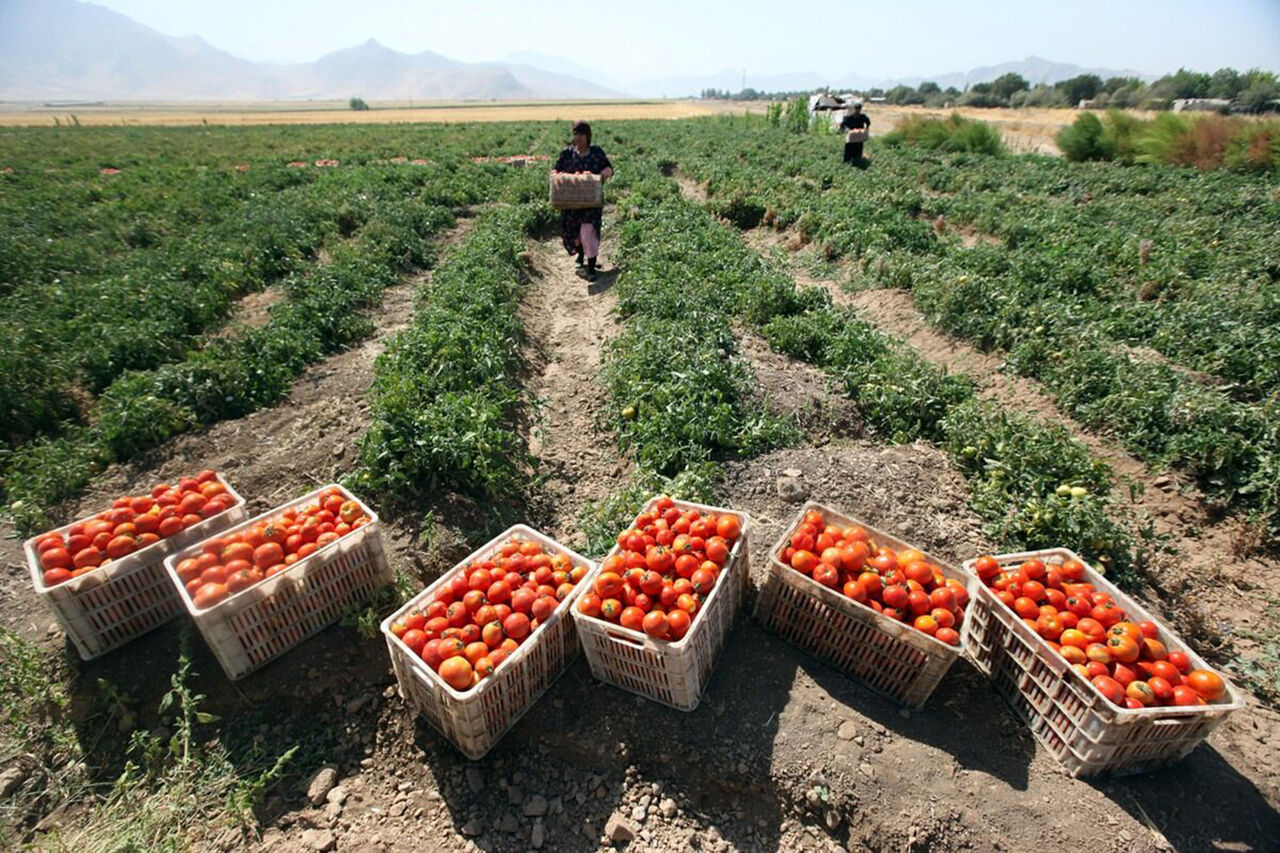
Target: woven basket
(576, 190)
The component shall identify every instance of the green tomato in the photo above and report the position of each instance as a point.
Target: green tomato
(1079, 491)
(629, 413)
(1063, 491)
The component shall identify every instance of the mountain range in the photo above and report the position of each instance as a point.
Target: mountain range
(65, 49)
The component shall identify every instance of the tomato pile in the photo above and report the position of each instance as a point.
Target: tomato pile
(1125, 660)
(130, 525)
(665, 566)
(492, 606)
(233, 563)
(902, 585)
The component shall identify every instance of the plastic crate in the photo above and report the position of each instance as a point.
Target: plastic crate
(888, 656)
(106, 608)
(257, 625)
(476, 719)
(1086, 732)
(576, 190)
(673, 673)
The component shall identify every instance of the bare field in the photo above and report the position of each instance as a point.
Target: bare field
(334, 112)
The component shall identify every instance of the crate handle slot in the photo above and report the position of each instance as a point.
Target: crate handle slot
(626, 641)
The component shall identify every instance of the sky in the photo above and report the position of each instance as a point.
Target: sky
(656, 38)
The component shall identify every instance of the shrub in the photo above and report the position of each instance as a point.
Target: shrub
(358, 104)
(1083, 139)
(951, 134)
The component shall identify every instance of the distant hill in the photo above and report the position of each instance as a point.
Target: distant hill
(62, 49)
(66, 49)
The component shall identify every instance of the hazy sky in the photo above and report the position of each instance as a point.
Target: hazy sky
(652, 38)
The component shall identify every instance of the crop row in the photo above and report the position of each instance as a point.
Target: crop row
(445, 394)
(1058, 283)
(105, 273)
(232, 375)
(1017, 467)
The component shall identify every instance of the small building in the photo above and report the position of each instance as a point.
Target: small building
(1208, 105)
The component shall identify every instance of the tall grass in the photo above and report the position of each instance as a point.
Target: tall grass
(1202, 142)
(953, 133)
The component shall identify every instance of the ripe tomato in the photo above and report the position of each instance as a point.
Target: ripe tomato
(1123, 648)
(457, 672)
(516, 626)
(1207, 684)
(1180, 660)
(827, 575)
(655, 624)
(1184, 695)
(209, 594)
(678, 622)
(804, 561)
(1109, 688)
(926, 624)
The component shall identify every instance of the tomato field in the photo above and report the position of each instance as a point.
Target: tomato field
(979, 354)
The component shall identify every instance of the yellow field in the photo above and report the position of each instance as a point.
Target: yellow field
(326, 112)
(1023, 130)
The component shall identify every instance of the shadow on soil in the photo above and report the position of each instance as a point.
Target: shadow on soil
(964, 717)
(712, 759)
(1200, 803)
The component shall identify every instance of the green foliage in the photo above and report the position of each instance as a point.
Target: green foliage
(796, 119)
(358, 104)
(1083, 139)
(443, 395)
(951, 134)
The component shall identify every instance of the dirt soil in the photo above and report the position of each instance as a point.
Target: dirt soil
(568, 321)
(783, 752)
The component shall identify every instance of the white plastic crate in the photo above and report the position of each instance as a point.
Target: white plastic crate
(474, 720)
(576, 190)
(1085, 731)
(103, 609)
(888, 656)
(673, 673)
(258, 624)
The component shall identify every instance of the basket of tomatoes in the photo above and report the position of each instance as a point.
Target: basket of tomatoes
(263, 586)
(103, 576)
(474, 650)
(658, 609)
(1104, 686)
(872, 606)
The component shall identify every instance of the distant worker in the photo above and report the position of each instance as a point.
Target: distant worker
(856, 126)
(580, 229)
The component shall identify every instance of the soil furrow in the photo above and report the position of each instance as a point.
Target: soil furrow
(568, 321)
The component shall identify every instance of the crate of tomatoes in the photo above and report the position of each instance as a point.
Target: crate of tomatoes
(474, 651)
(874, 607)
(1104, 686)
(262, 587)
(103, 576)
(659, 607)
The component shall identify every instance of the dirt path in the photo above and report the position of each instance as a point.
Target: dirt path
(568, 321)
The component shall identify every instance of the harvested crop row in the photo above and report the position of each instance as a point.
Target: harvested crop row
(234, 375)
(444, 398)
(680, 400)
(1059, 289)
(1017, 467)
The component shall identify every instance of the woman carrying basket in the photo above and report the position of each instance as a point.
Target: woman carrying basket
(580, 229)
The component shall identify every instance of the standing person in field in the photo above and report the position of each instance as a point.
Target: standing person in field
(580, 229)
(854, 121)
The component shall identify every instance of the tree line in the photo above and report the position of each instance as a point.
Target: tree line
(1254, 90)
